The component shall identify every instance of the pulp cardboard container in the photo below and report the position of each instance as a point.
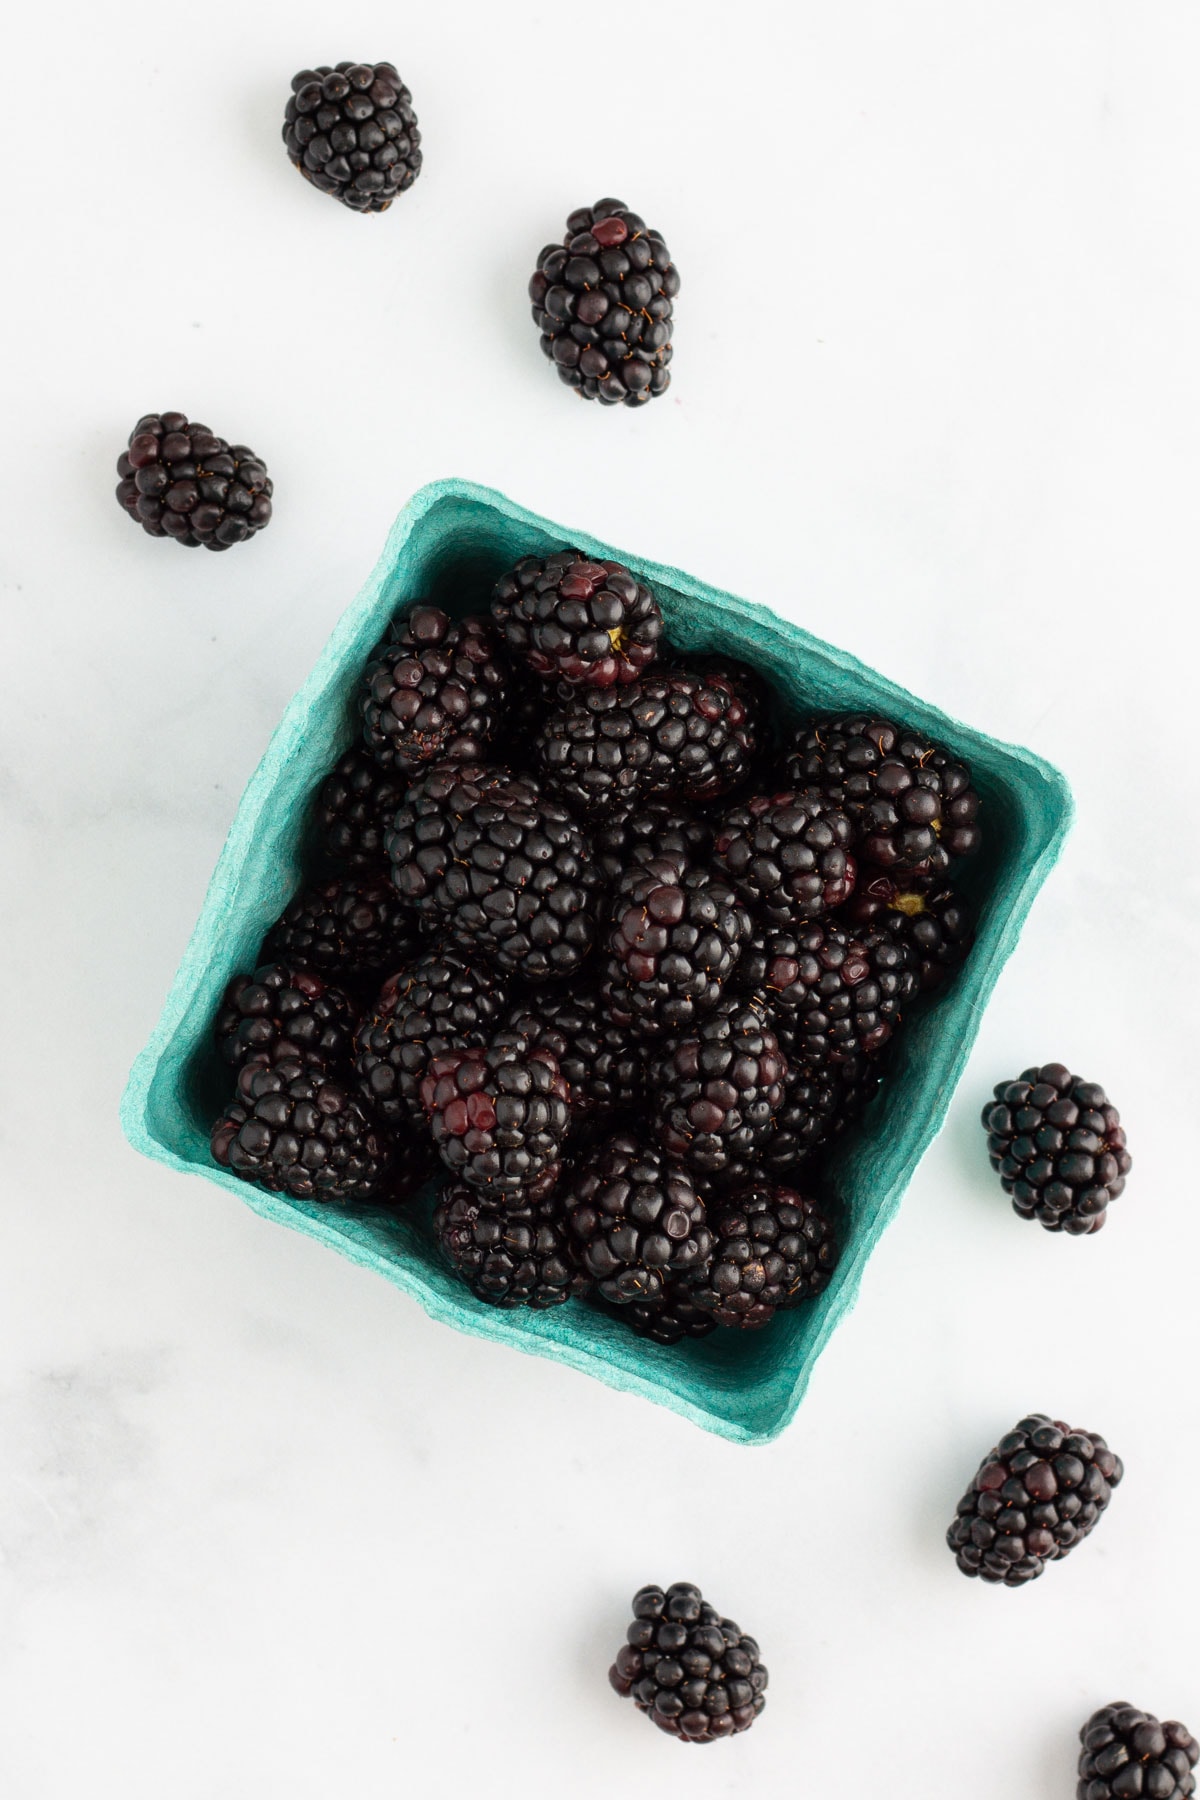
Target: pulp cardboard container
(449, 545)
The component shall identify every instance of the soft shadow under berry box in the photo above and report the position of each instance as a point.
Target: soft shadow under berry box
(449, 545)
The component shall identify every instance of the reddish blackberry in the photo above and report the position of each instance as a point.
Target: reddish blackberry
(655, 828)
(348, 928)
(179, 480)
(283, 1014)
(446, 1000)
(351, 131)
(675, 940)
(435, 687)
(355, 806)
(931, 918)
(1035, 1496)
(718, 1088)
(573, 619)
(636, 1220)
(294, 1130)
(601, 1065)
(506, 1258)
(602, 302)
(669, 1319)
(1127, 1753)
(498, 1113)
(692, 1672)
(772, 1248)
(1058, 1147)
(420, 839)
(835, 994)
(912, 805)
(819, 1100)
(788, 855)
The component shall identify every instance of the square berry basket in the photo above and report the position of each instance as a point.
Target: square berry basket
(449, 545)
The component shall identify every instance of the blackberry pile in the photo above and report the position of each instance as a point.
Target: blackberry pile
(532, 966)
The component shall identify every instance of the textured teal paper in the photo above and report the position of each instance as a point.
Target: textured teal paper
(450, 543)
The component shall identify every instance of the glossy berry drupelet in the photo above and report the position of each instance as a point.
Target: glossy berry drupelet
(636, 1220)
(602, 1065)
(911, 803)
(354, 808)
(602, 300)
(1128, 1755)
(283, 1014)
(930, 917)
(353, 927)
(788, 855)
(435, 687)
(506, 1257)
(675, 940)
(773, 1247)
(716, 1090)
(1035, 1496)
(573, 619)
(293, 1129)
(351, 131)
(498, 1114)
(446, 999)
(695, 1674)
(1057, 1144)
(836, 995)
(179, 480)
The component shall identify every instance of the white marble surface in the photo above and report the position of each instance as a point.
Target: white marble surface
(264, 1529)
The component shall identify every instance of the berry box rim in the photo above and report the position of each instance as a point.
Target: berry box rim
(154, 1110)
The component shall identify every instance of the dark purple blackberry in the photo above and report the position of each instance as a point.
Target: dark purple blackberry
(716, 1090)
(772, 1247)
(506, 1258)
(636, 1220)
(602, 1066)
(1126, 1754)
(351, 131)
(498, 1114)
(294, 1130)
(445, 1000)
(1058, 1147)
(675, 940)
(349, 928)
(283, 1014)
(435, 687)
(602, 302)
(930, 917)
(655, 828)
(570, 618)
(179, 480)
(835, 994)
(692, 1672)
(912, 805)
(1035, 1496)
(420, 839)
(669, 1319)
(355, 806)
(819, 1100)
(788, 856)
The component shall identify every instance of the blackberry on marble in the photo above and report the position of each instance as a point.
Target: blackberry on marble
(572, 618)
(179, 480)
(694, 1674)
(788, 855)
(717, 1089)
(498, 1113)
(636, 1220)
(675, 939)
(349, 928)
(352, 133)
(1127, 1753)
(435, 687)
(1057, 1144)
(294, 1129)
(283, 1013)
(445, 1000)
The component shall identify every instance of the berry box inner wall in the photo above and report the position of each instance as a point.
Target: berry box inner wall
(449, 546)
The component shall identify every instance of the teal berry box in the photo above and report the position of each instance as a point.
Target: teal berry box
(449, 545)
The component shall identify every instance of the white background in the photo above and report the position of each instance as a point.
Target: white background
(265, 1529)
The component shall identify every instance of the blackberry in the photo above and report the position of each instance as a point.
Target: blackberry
(294, 1130)
(571, 618)
(351, 131)
(718, 1088)
(434, 687)
(692, 1672)
(670, 1319)
(347, 928)
(1058, 1147)
(772, 1248)
(1035, 1496)
(636, 1220)
(1127, 1753)
(602, 302)
(445, 1000)
(788, 855)
(506, 1258)
(835, 994)
(498, 1113)
(930, 917)
(601, 1065)
(355, 806)
(819, 1100)
(179, 480)
(283, 1014)
(911, 803)
(675, 940)
(420, 839)
(655, 828)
